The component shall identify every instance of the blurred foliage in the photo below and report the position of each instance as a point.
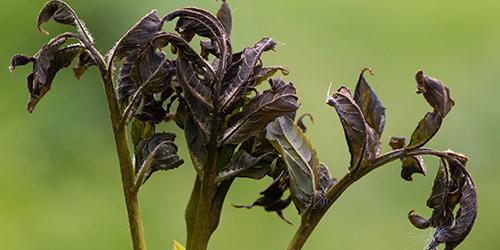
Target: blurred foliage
(60, 185)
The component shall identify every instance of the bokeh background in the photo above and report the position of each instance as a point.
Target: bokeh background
(59, 180)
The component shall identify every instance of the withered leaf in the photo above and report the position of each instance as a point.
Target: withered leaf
(225, 17)
(85, 61)
(137, 37)
(242, 161)
(370, 105)
(261, 110)
(300, 158)
(300, 121)
(453, 187)
(438, 96)
(203, 23)
(363, 142)
(46, 63)
(325, 178)
(196, 143)
(410, 164)
(162, 151)
(238, 86)
(271, 197)
(264, 73)
(62, 13)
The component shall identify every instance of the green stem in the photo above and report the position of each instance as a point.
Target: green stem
(310, 220)
(124, 157)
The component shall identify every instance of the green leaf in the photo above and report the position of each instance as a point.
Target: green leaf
(367, 100)
(62, 13)
(363, 142)
(300, 158)
(411, 164)
(261, 110)
(238, 86)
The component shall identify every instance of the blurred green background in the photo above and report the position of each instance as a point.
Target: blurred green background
(59, 182)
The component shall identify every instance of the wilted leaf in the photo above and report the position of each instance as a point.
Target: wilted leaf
(85, 60)
(238, 87)
(370, 105)
(453, 186)
(46, 63)
(267, 72)
(161, 148)
(300, 121)
(438, 96)
(300, 158)
(62, 13)
(270, 198)
(411, 164)
(261, 110)
(240, 162)
(196, 143)
(325, 178)
(137, 37)
(140, 130)
(363, 142)
(225, 17)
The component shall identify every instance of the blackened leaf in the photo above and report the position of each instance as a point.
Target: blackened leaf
(369, 104)
(411, 164)
(363, 142)
(152, 110)
(126, 85)
(240, 162)
(19, 60)
(152, 70)
(85, 60)
(198, 96)
(300, 158)
(62, 13)
(453, 233)
(237, 88)
(300, 121)
(265, 73)
(162, 39)
(196, 142)
(261, 110)
(438, 96)
(426, 129)
(325, 178)
(161, 148)
(270, 198)
(225, 17)
(137, 37)
(197, 21)
(140, 130)
(46, 63)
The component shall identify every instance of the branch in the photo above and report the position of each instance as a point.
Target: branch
(310, 220)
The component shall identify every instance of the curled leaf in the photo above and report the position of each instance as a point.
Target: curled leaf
(271, 197)
(301, 161)
(363, 141)
(238, 86)
(62, 13)
(410, 164)
(46, 63)
(438, 96)
(242, 161)
(85, 60)
(160, 150)
(259, 111)
(370, 105)
(265, 73)
(300, 121)
(225, 17)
